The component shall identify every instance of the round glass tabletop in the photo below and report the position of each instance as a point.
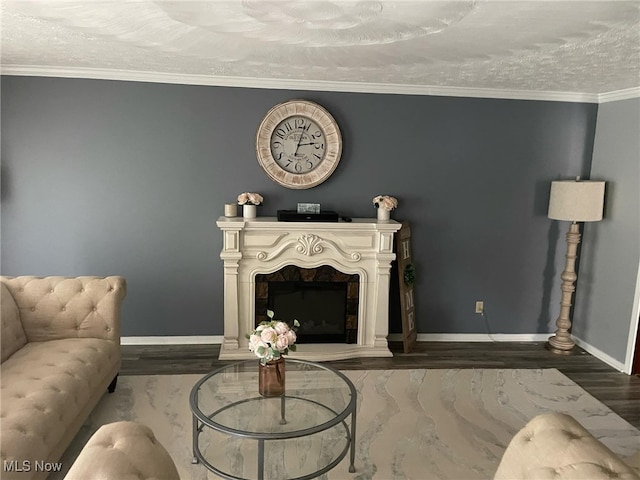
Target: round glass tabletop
(298, 435)
(315, 395)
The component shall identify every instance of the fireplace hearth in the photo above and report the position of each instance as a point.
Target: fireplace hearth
(262, 254)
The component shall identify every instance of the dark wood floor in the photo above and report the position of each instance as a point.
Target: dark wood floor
(619, 391)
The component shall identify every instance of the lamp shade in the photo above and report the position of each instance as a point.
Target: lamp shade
(576, 201)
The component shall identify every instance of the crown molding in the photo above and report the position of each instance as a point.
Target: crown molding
(316, 85)
(618, 95)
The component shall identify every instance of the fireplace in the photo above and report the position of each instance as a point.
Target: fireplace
(322, 299)
(359, 253)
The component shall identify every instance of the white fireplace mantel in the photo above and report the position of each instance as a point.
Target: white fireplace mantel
(264, 245)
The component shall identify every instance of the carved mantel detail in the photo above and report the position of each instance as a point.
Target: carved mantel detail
(309, 244)
(264, 245)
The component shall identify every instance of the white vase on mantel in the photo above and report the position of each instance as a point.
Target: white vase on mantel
(384, 214)
(249, 211)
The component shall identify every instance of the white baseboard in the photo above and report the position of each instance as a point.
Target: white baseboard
(600, 355)
(397, 337)
(172, 340)
(394, 337)
(475, 337)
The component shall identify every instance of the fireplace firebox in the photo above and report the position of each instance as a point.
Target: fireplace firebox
(323, 299)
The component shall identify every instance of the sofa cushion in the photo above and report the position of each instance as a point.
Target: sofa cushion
(11, 332)
(123, 450)
(44, 386)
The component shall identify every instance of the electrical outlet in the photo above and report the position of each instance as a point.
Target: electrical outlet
(480, 306)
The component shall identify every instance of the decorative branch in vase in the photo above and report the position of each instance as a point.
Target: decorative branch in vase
(384, 204)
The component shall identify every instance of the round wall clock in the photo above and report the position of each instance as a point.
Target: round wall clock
(298, 144)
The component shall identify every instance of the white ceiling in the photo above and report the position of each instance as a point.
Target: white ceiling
(572, 50)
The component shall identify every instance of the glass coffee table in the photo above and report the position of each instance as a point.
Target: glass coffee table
(240, 435)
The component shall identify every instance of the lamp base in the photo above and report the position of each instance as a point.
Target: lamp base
(561, 342)
(558, 351)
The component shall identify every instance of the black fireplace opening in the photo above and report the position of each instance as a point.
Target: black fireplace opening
(324, 300)
(320, 307)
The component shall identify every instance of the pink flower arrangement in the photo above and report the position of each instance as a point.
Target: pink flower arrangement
(272, 339)
(385, 202)
(250, 198)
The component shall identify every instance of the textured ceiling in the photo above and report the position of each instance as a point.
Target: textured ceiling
(588, 47)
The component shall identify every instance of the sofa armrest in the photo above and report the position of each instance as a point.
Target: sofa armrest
(68, 307)
(556, 446)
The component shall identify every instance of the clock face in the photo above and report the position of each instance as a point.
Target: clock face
(298, 144)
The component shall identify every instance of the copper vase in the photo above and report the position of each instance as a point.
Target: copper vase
(271, 378)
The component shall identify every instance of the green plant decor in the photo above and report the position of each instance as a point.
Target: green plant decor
(409, 274)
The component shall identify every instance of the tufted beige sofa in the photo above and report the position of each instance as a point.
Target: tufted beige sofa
(60, 352)
(556, 446)
(121, 451)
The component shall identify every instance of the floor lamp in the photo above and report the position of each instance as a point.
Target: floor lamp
(574, 201)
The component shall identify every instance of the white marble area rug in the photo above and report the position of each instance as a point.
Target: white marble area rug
(411, 424)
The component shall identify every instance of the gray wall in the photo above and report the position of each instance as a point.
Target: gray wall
(611, 248)
(103, 177)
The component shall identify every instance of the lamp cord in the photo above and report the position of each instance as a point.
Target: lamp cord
(486, 324)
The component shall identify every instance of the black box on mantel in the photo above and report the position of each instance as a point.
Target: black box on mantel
(294, 216)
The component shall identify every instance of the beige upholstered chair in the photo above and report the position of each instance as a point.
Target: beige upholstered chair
(122, 451)
(556, 446)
